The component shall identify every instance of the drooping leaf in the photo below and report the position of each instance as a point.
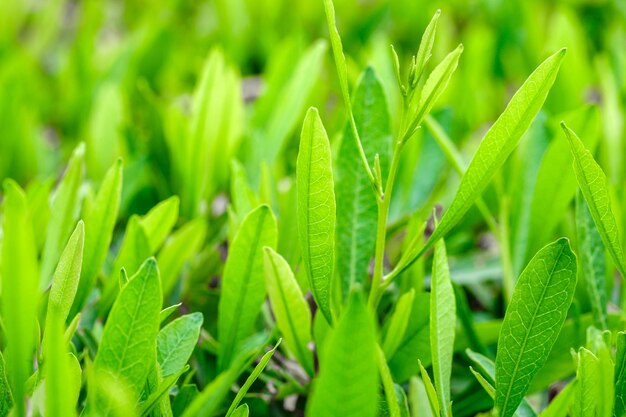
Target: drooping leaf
(498, 143)
(19, 291)
(347, 384)
(293, 317)
(592, 263)
(594, 187)
(356, 204)
(442, 325)
(243, 282)
(127, 351)
(176, 341)
(63, 211)
(100, 217)
(316, 209)
(532, 322)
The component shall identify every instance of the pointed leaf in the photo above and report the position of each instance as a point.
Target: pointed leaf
(243, 282)
(316, 209)
(293, 317)
(532, 322)
(594, 187)
(176, 341)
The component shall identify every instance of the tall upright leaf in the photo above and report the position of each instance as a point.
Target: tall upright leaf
(65, 281)
(291, 310)
(498, 143)
(620, 375)
(588, 386)
(99, 215)
(158, 222)
(316, 209)
(357, 208)
(592, 263)
(532, 322)
(6, 397)
(243, 282)
(442, 325)
(20, 293)
(63, 212)
(347, 385)
(594, 187)
(62, 380)
(127, 351)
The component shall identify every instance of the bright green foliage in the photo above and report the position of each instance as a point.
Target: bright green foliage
(175, 343)
(537, 311)
(100, 216)
(302, 268)
(128, 347)
(63, 212)
(356, 206)
(347, 384)
(243, 283)
(594, 187)
(65, 280)
(19, 291)
(316, 209)
(592, 263)
(292, 313)
(499, 142)
(442, 325)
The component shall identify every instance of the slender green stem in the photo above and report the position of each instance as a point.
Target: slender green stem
(381, 227)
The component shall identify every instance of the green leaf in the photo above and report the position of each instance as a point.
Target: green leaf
(418, 398)
(347, 385)
(127, 350)
(594, 187)
(20, 295)
(63, 212)
(340, 59)
(435, 86)
(241, 411)
(293, 317)
(588, 386)
(6, 399)
(158, 222)
(258, 369)
(592, 263)
(532, 322)
(243, 283)
(426, 46)
(357, 209)
(178, 250)
(620, 375)
(61, 383)
(65, 281)
(316, 209)
(398, 323)
(498, 143)
(430, 390)
(176, 341)
(100, 217)
(163, 389)
(388, 385)
(442, 325)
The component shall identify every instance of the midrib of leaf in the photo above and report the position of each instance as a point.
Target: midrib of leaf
(301, 354)
(532, 322)
(242, 296)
